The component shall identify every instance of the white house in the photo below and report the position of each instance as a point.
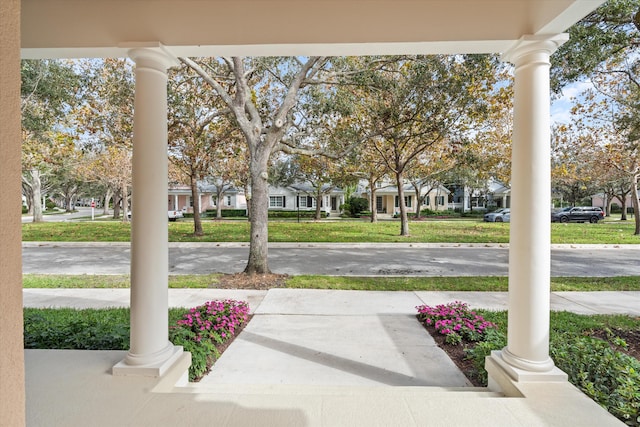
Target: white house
(180, 197)
(436, 199)
(293, 197)
(303, 196)
(496, 195)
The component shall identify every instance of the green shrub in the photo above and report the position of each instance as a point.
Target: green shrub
(108, 329)
(608, 376)
(473, 214)
(429, 212)
(493, 340)
(294, 214)
(355, 206)
(89, 329)
(595, 366)
(24, 209)
(226, 213)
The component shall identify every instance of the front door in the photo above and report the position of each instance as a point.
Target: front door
(379, 205)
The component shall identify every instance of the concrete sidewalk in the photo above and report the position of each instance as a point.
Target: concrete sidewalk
(330, 337)
(307, 358)
(605, 302)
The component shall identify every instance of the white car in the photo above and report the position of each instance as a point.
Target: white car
(172, 215)
(498, 216)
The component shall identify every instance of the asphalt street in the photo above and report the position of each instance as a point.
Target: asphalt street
(342, 260)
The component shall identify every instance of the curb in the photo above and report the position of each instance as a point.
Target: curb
(311, 245)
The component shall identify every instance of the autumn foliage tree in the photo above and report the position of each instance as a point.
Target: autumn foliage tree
(49, 90)
(261, 94)
(106, 118)
(410, 104)
(604, 48)
(198, 129)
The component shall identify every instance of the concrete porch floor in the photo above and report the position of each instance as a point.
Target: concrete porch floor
(307, 358)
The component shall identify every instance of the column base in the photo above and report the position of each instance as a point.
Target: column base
(525, 364)
(503, 375)
(136, 366)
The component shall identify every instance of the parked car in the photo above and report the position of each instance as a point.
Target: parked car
(172, 215)
(591, 214)
(497, 216)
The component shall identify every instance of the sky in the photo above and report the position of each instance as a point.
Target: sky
(561, 107)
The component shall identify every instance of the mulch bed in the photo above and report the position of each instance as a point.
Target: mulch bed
(251, 281)
(632, 338)
(457, 352)
(222, 347)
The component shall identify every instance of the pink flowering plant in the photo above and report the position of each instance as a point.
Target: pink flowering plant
(203, 327)
(455, 321)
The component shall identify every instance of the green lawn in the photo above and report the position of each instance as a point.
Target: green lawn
(111, 281)
(345, 283)
(432, 231)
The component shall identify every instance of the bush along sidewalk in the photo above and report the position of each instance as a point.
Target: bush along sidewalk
(598, 367)
(205, 330)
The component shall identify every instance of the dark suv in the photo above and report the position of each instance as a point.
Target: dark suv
(578, 214)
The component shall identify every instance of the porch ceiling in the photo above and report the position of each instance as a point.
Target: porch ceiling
(101, 28)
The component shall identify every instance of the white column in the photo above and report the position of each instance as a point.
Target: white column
(529, 249)
(150, 352)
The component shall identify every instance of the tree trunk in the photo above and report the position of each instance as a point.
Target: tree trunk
(318, 215)
(404, 222)
(36, 191)
(125, 208)
(117, 199)
(195, 196)
(219, 197)
(68, 203)
(372, 202)
(107, 197)
(622, 196)
(636, 203)
(623, 215)
(418, 201)
(259, 211)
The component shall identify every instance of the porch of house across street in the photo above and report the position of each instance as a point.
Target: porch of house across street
(153, 33)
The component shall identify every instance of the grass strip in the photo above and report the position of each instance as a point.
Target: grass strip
(470, 283)
(193, 281)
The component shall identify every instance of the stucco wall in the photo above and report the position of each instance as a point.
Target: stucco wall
(12, 395)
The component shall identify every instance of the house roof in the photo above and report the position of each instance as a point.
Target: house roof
(308, 188)
(409, 189)
(204, 188)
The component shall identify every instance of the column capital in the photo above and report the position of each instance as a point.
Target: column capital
(153, 55)
(528, 44)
